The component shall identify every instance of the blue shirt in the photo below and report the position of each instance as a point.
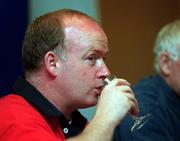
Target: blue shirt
(157, 98)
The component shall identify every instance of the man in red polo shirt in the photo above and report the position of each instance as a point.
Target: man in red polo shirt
(63, 59)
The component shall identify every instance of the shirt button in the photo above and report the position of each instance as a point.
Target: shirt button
(65, 130)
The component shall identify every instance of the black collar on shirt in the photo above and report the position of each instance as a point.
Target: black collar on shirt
(35, 98)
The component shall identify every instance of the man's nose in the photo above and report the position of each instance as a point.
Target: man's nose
(103, 71)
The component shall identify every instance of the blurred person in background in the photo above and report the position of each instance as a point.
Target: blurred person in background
(159, 94)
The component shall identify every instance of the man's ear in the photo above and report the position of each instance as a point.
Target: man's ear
(51, 63)
(165, 63)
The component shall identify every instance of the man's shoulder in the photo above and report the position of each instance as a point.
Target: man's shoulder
(150, 80)
(19, 120)
(150, 86)
(149, 92)
(15, 107)
(146, 86)
(13, 101)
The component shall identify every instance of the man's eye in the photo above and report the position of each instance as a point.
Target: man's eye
(91, 59)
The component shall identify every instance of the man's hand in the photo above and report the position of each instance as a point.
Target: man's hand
(116, 100)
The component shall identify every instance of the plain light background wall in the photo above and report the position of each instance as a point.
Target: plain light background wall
(39, 7)
(90, 7)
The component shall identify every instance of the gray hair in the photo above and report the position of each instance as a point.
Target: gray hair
(168, 40)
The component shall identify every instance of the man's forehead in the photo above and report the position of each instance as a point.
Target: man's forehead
(89, 37)
(98, 46)
(82, 23)
(77, 34)
(100, 49)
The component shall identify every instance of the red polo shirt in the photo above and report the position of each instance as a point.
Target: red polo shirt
(28, 116)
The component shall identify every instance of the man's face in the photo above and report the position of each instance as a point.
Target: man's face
(84, 69)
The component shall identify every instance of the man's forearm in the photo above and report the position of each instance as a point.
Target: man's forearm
(96, 130)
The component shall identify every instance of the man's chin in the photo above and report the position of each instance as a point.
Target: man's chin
(88, 105)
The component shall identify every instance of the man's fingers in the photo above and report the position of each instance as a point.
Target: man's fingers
(134, 104)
